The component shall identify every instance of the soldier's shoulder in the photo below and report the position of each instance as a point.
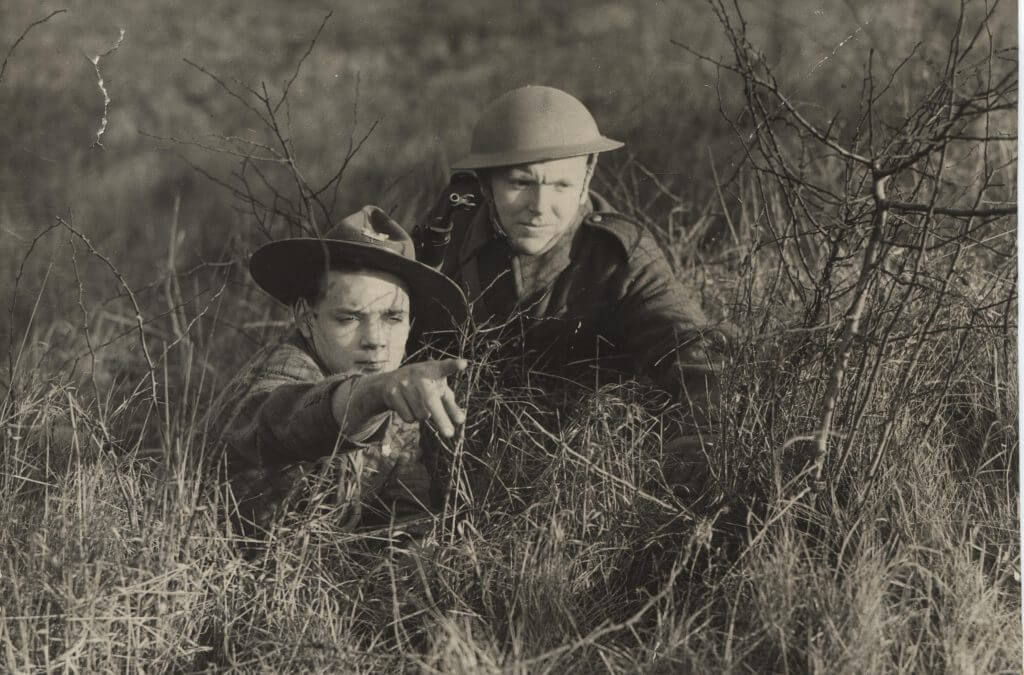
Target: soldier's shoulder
(277, 364)
(625, 232)
(292, 359)
(634, 240)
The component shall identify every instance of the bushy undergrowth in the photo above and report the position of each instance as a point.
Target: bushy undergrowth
(861, 514)
(564, 549)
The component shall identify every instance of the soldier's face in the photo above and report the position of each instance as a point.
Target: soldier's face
(537, 203)
(361, 324)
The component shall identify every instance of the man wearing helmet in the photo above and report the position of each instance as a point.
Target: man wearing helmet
(585, 286)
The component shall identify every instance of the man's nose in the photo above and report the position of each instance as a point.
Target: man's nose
(373, 336)
(540, 199)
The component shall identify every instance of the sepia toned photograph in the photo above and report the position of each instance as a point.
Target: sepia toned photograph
(427, 336)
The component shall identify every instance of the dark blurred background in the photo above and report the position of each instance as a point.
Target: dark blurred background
(421, 71)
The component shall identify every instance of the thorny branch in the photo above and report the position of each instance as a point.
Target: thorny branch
(139, 320)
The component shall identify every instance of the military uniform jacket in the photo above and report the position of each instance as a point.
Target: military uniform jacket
(602, 295)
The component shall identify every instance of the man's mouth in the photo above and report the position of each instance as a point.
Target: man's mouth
(372, 366)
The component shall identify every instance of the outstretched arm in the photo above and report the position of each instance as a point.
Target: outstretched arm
(287, 412)
(417, 392)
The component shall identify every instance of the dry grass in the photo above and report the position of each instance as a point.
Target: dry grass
(568, 552)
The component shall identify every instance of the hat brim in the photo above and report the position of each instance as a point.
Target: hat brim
(284, 268)
(486, 160)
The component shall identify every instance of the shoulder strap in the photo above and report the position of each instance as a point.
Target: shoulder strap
(454, 208)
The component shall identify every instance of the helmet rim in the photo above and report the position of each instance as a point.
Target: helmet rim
(487, 160)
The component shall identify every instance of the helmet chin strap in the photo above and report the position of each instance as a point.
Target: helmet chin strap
(591, 165)
(492, 211)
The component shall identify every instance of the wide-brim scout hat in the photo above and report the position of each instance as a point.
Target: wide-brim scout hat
(533, 124)
(288, 269)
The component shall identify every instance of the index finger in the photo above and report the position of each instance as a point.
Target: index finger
(451, 366)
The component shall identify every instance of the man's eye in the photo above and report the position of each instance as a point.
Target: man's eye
(562, 186)
(346, 319)
(397, 317)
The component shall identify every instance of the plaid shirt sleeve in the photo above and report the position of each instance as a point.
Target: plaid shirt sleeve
(283, 411)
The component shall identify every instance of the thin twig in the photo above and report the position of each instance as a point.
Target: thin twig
(302, 59)
(10, 51)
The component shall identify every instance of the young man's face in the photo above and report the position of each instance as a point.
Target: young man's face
(361, 324)
(537, 203)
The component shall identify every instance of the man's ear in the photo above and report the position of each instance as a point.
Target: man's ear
(302, 313)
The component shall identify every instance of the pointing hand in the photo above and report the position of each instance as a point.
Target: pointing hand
(420, 391)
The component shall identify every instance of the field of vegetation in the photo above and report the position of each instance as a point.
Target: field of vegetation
(838, 180)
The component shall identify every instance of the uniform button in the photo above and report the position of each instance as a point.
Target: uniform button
(596, 218)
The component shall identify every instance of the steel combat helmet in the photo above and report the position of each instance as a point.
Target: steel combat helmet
(533, 124)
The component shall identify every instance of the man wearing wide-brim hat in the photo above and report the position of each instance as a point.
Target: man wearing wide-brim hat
(313, 420)
(588, 288)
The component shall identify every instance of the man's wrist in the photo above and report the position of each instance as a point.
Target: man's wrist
(358, 399)
(369, 390)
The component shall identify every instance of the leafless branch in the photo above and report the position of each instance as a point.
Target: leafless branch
(994, 212)
(14, 45)
(302, 59)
